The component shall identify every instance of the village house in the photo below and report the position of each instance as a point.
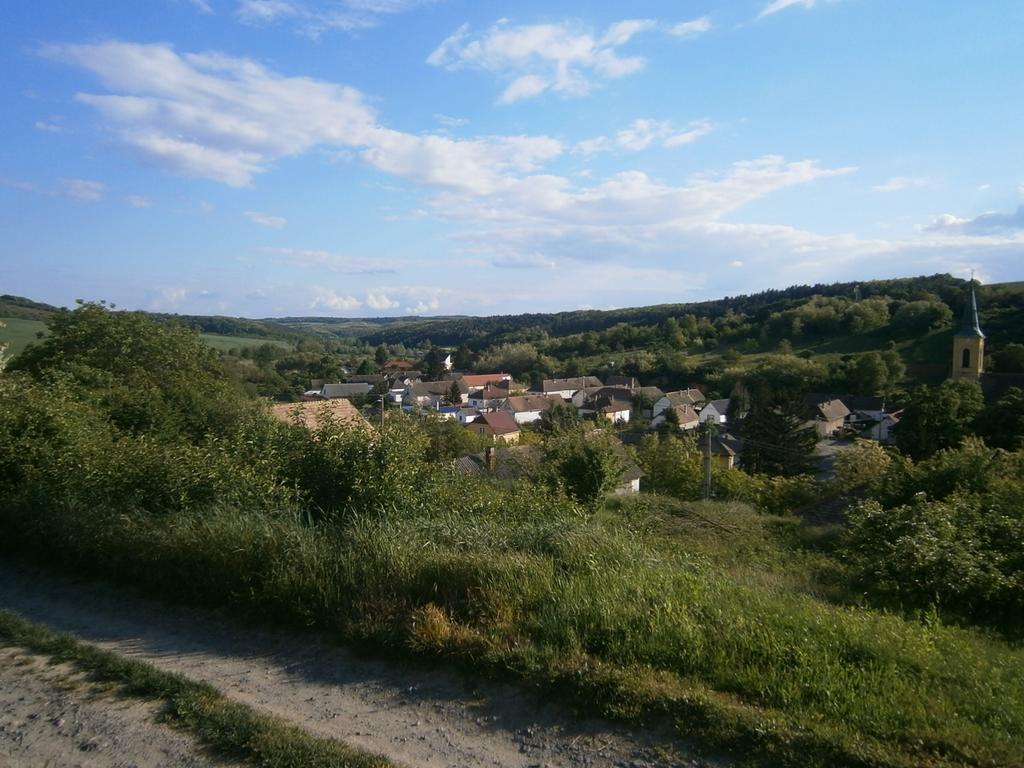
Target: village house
(499, 426)
(490, 397)
(691, 396)
(566, 388)
(826, 415)
(433, 394)
(480, 380)
(312, 414)
(526, 409)
(608, 405)
(685, 413)
(715, 411)
(350, 389)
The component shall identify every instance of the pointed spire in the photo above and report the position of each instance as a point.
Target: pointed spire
(970, 326)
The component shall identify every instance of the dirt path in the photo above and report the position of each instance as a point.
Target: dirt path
(51, 716)
(412, 715)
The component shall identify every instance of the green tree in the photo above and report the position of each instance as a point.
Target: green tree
(454, 394)
(150, 376)
(1002, 422)
(586, 463)
(380, 356)
(463, 359)
(937, 417)
(1010, 359)
(560, 417)
(777, 438)
(365, 368)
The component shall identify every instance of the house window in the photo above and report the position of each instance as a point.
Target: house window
(966, 359)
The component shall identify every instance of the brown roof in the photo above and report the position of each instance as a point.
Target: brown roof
(830, 410)
(563, 385)
(527, 403)
(500, 422)
(482, 379)
(312, 414)
(685, 413)
(493, 392)
(689, 396)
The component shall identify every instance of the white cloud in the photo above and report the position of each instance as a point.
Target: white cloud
(901, 183)
(991, 223)
(380, 301)
(212, 115)
(643, 133)
(736, 263)
(228, 119)
(138, 201)
(313, 17)
(327, 298)
(266, 219)
(562, 58)
(82, 189)
(694, 28)
(48, 127)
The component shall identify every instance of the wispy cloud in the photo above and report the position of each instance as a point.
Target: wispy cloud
(227, 119)
(138, 201)
(644, 133)
(781, 5)
(82, 189)
(901, 183)
(562, 58)
(694, 28)
(313, 18)
(48, 127)
(266, 219)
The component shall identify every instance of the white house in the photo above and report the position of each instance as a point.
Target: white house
(715, 411)
(685, 414)
(527, 409)
(566, 388)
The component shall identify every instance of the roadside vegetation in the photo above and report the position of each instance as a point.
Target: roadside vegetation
(126, 453)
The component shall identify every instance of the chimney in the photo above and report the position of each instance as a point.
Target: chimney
(490, 458)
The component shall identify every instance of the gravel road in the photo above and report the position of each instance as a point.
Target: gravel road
(415, 716)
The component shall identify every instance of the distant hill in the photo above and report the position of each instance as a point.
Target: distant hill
(25, 309)
(482, 332)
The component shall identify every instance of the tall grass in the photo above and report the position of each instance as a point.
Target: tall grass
(698, 614)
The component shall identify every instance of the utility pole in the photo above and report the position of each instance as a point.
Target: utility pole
(707, 461)
(382, 411)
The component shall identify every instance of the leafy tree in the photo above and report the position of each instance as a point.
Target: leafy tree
(150, 376)
(454, 394)
(918, 317)
(463, 359)
(937, 417)
(673, 466)
(365, 368)
(585, 462)
(1010, 359)
(1002, 422)
(380, 356)
(777, 438)
(560, 417)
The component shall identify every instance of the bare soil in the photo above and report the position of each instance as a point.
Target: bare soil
(413, 715)
(52, 716)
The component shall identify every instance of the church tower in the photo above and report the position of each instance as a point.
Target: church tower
(969, 344)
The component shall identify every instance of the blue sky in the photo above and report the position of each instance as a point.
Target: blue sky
(389, 157)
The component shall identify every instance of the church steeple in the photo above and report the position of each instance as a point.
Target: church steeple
(969, 343)
(970, 325)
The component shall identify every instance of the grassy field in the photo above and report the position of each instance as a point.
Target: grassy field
(225, 343)
(20, 333)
